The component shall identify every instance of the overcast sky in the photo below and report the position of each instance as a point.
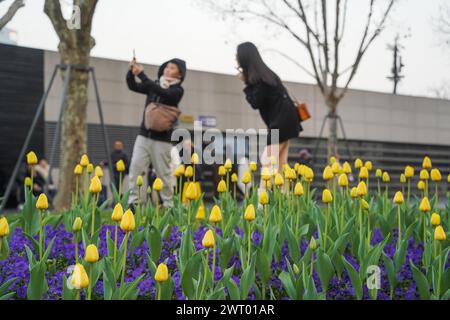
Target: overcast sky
(161, 29)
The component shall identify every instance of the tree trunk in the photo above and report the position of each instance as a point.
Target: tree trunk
(332, 143)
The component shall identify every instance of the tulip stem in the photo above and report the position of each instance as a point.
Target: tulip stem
(360, 224)
(409, 191)
(214, 259)
(120, 185)
(157, 208)
(343, 211)
(94, 205)
(90, 282)
(206, 274)
(40, 234)
(437, 197)
(158, 285)
(439, 271)
(399, 237)
(249, 242)
(326, 228)
(124, 259)
(297, 225)
(115, 243)
(75, 240)
(32, 178)
(424, 230)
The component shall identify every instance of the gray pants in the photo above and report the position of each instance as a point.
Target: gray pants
(147, 151)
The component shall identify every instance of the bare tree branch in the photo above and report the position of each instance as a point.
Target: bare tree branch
(12, 10)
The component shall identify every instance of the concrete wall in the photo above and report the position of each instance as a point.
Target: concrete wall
(366, 115)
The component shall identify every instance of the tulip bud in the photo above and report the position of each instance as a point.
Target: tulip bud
(191, 191)
(189, 172)
(234, 178)
(200, 212)
(439, 234)
(296, 269)
(347, 168)
(378, 173)
(27, 182)
(265, 174)
(402, 178)
(386, 177)
(221, 187)
(117, 213)
(358, 164)
(332, 160)
(181, 169)
(139, 181)
(424, 174)
(309, 174)
(4, 227)
(157, 184)
(194, 158)
(84, 161)
(326, 196)
(426, 164)
(162, 273)
(354, 192)
(435, 219)
(363, 173)
(327, 173)
(409, 172)
(436, 175)
(32, 158)
(149, 190)
(79, 278)
(336, 168)
(90, 168)
(398, 198)
(120, 166)
(208, 240)
(448, 178)
(421, 185)
(364, 204)
(361, 189)
(96, 185)
(42, 202)
(77, 224)
(249, 214)
(98, 171)
(246, 178)
(278, 180)
(343, 180)
(298, 190)
(263, 198)
(78, 170)
(91, 254)
(368, 165)
(222, 171)
(127, 223)
(253, 166)
(228, 165)
(215, 215)
(425, 205)
(313, 244)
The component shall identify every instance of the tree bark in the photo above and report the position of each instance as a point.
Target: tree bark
(74, 48)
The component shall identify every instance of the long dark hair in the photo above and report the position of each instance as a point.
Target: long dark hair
(253, 66)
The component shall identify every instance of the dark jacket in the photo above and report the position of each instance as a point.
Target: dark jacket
(276, 109)
(170, 96)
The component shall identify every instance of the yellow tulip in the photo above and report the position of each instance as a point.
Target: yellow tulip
(439, 234)
(402, 178)
(263, 198)
(246, 178)
(436, 175)
(90, 168)
(222, 186)
(435, 219)
(27, 182)
(309, 174)
(378, 173)
(298, 190)
(409, 171)
(96, 185)
(253, 166)
(120, 166)
(265, 174)
(84, 161)
(32, 158)
(368, 165)
(336, 168)
(127, 223)
(200, 212)
(222, 171)
(448, 178)
(326, 196)
(162, 273)
(208, 240)
(398, 198)
(191, 191)
(77, 224)
(249, 214)
(98, 171)
(194, 158)
(424, 175)
(347, 168)
(216, 214)
(358, 163)
(42, 202)
(78, 170)
(313, 244)
(189, 172)
(234, 178)
(278, 180)
(4, 227)
(426, 164)
(425, 205)
(91, 254)
(332, 160)
(327, 173)
(117, 213)
(228, 165)
(354, 192)
(364, 204)
(361, 189)
(79, 279)
(421, 185)
(386, 177)
(343, 180)
(363, 173)
(301, 170)
(157, 184)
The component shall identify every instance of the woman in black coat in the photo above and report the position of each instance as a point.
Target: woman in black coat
(265, 92)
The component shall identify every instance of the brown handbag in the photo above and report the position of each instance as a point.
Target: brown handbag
(160, 117)
(302, 110)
